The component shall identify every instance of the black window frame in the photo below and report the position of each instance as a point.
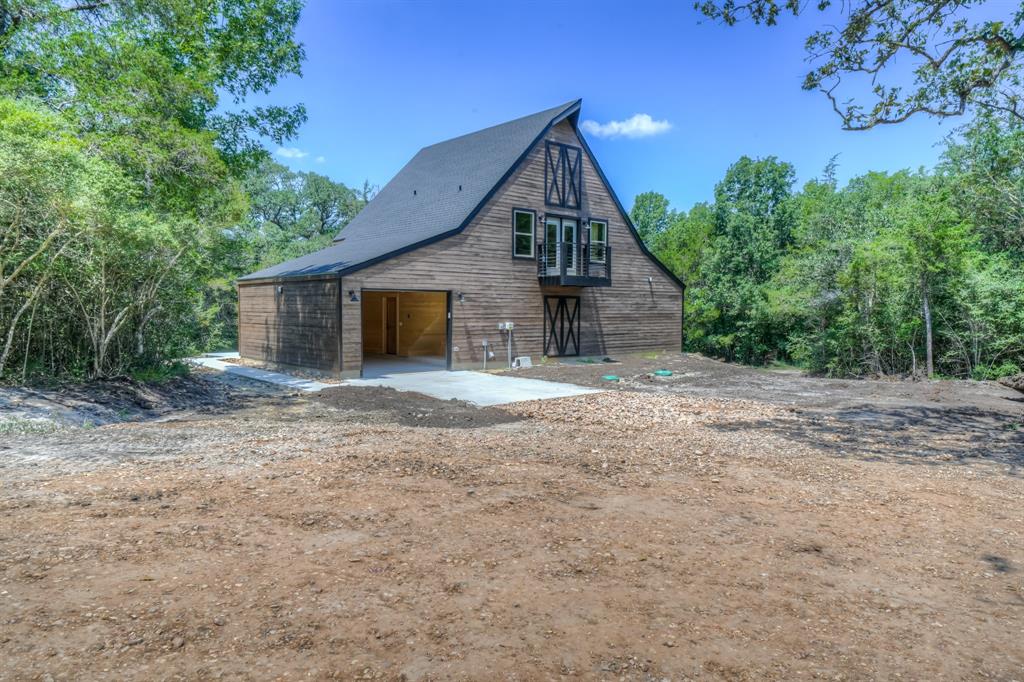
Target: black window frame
(561, 167)
(533, 235)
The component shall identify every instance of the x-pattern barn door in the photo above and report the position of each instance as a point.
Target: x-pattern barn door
(561, 325)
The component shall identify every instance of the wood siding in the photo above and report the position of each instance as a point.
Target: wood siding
(290, 323)
(642, 310)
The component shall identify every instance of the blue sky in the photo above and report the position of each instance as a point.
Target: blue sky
(383, 79)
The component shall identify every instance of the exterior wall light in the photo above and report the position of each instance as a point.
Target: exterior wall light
(461, 296)
(352, 296)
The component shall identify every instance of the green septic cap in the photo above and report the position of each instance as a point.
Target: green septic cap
(610, 377)
(663, 373)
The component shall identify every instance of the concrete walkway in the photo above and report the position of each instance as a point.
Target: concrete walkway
(472, 387)
(216, 361)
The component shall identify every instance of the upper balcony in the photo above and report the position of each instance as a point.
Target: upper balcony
(574, 264)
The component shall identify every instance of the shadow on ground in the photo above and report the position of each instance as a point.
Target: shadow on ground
(914, 434)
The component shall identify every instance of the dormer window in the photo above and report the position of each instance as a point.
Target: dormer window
(563, 175)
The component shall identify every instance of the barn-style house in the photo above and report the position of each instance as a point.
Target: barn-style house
(506, 242)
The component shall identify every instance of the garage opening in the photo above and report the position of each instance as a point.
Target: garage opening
(404, 331)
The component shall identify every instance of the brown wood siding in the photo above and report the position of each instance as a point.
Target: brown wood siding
(296, 326)
(634, 314)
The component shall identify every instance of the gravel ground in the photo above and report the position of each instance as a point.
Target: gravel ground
(646, 533)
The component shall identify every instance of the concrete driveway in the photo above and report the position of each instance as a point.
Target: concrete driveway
(474, 387)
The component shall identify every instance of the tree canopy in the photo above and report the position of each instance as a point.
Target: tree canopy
(958, 60)
(124, 145)
(893, 274)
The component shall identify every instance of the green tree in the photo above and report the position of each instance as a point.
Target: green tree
(650, 215)
(290, 214)
(753, 226)
(935, 241)
(985, 168)
(908, 57)
(126, 138)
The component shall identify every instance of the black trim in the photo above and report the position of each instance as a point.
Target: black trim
(448, 333)
(533, 244)
(629, 223)
(558, 318)
(572, 112)
(567, 165)
(571, 109)
(682, 322)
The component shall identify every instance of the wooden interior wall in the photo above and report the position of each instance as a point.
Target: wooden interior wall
(290, 323)
(422, 323)
(642, 310)
(373, 321)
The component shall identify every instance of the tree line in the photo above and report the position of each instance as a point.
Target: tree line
(893, 274)
(134, 182)
(135, 187)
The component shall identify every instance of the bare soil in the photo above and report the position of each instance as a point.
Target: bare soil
(656, 531)
(897, 419)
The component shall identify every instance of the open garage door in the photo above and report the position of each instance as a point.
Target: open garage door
(405, 331)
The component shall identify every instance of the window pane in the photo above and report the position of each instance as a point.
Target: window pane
(598, 239)
(524, 223)
(551, 234)
(568, 230)
(524, 245)
(522, 230)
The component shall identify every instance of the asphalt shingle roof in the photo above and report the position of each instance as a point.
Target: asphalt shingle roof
(434, 194)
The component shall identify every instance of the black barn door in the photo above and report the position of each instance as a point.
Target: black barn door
(561, 325)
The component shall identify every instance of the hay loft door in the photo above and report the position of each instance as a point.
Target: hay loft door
(561, 325)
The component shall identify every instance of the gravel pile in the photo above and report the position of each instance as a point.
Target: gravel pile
(630, 410)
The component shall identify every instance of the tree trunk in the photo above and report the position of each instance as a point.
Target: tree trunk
(926, 308)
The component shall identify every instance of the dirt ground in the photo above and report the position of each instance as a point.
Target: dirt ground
(723, 523)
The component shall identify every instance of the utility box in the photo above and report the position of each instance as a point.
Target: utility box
(522, 362)
(505, 326)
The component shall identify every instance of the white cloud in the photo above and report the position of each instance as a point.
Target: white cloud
(638, 125)
(291, 153)
(319, 159)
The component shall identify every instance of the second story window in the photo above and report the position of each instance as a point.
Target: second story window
(598, 240)
(563, 174)
(522, 233)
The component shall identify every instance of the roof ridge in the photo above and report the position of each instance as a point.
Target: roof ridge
(560, 109)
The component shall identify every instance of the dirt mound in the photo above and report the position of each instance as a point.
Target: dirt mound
(120, 399)
(412, 409)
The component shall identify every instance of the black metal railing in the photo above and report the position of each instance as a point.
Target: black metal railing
(569, 261)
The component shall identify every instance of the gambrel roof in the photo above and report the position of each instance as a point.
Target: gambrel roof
(436, 195)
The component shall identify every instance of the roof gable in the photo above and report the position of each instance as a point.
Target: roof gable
(433, 196)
